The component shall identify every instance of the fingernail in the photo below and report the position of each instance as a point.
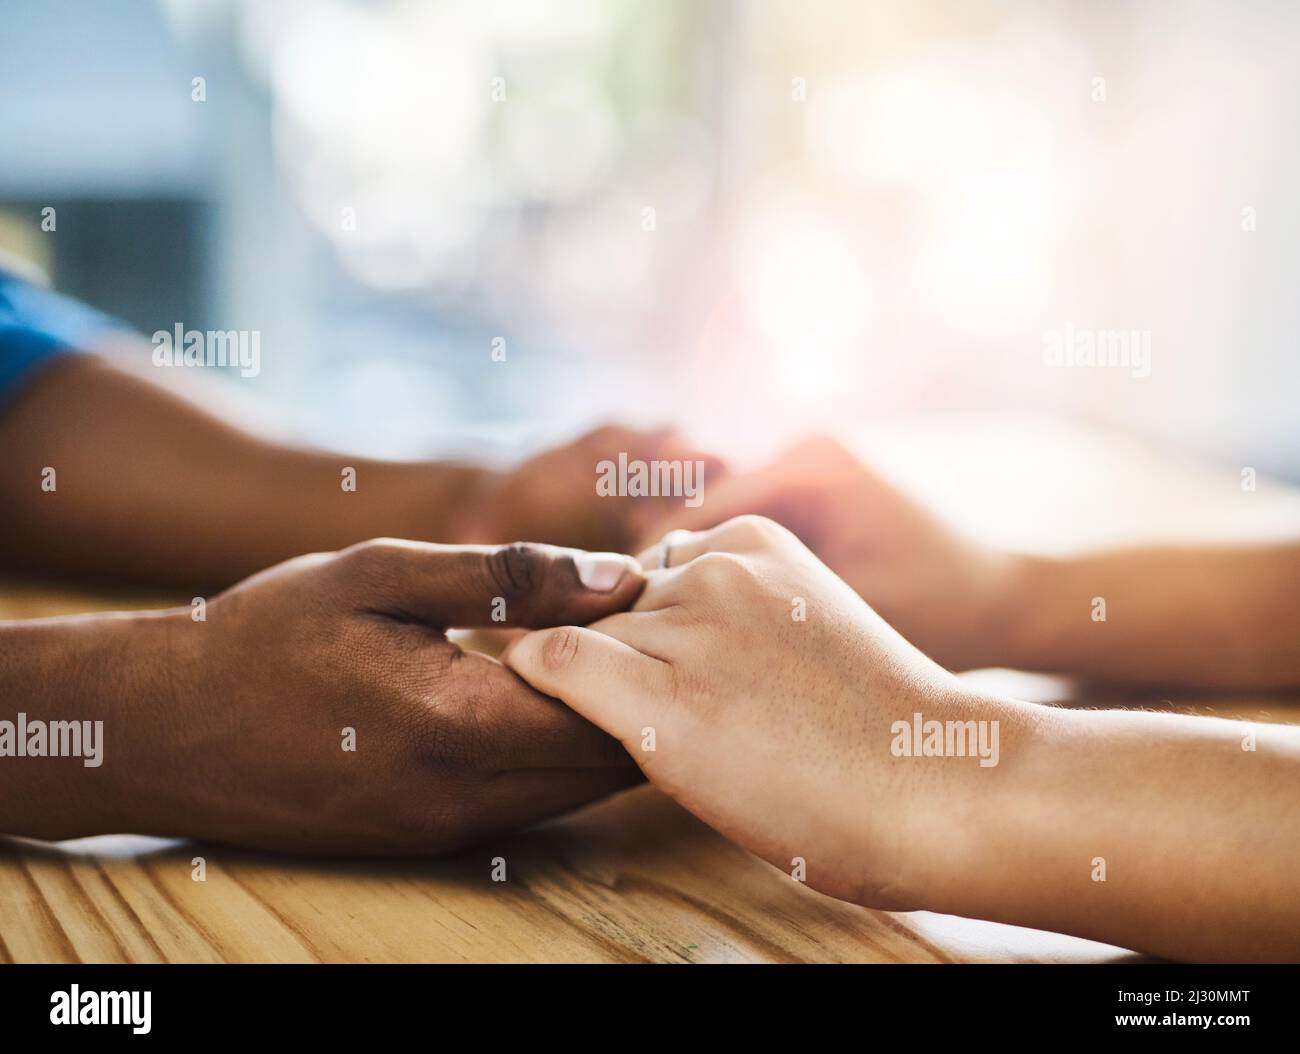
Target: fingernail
(601, 572)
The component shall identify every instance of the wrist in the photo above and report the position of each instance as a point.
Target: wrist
(468, 512)
(1021, 620)
(89, 690)
(436, 501)
(965, 808)
(150, 710)
(423, 500)
(989, 611)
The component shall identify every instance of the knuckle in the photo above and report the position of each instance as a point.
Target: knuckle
(752, 531)
(368, 557)
(516, 570)
(560, 648)
(718, 570)
(309, 563)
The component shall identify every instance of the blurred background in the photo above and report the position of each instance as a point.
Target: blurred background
(748, 217)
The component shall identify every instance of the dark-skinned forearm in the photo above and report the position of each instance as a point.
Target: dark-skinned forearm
(108, 674)
(151, 488)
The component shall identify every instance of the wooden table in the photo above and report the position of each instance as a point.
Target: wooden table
(633, 878)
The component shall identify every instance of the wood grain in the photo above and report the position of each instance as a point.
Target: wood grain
(630, 879)
(633, 878)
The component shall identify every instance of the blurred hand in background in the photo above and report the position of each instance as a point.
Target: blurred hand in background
(1200, 614)
(155, 489)
(936, 586)
(552, 497)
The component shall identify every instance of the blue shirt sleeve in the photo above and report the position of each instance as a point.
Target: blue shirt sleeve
(37, 325)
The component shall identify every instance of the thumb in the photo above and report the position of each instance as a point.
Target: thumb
(501, 586)
(611, 684)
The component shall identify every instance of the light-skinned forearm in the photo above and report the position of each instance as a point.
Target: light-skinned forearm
(1150, 831)
(151, 488)
(1197, 616)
